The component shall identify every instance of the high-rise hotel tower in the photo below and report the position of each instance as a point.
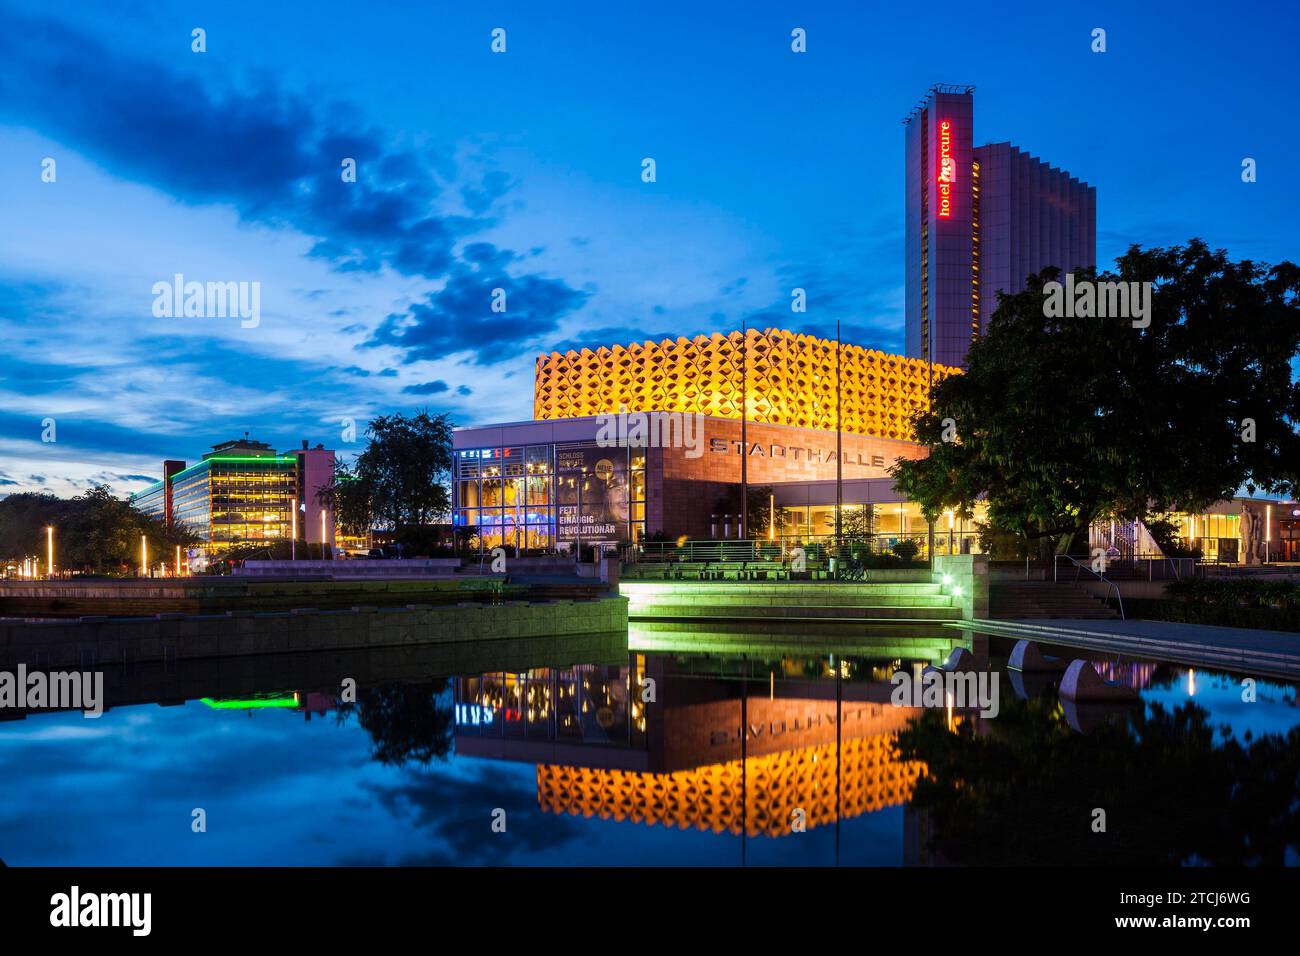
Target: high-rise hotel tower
(978, 220)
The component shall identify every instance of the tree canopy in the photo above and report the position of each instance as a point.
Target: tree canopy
(402, 478)
(95, 532)
(1061, 421)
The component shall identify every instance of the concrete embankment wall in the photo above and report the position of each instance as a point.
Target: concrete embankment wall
(91, 641)
(210, 595)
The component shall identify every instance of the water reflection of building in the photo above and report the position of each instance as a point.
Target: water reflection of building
(768, 789)
(738, 749)
(308, 702)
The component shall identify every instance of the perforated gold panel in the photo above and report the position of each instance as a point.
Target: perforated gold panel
(791, 382)
(709, 798)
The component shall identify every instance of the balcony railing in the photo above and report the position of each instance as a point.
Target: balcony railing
(779, 548)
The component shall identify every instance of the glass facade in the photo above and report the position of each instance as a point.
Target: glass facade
(548, 497)
(1218, 536)
(228, 501)
(152, 501)
(884, 525)
(590, 703)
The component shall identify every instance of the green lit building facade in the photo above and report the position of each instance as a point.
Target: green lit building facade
(240, 493)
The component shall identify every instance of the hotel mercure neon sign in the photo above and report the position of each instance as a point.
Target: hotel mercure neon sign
(947, 170)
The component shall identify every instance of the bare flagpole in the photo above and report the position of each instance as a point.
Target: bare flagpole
(839, 450)
(744, 434)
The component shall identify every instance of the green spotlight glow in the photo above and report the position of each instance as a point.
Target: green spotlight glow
(252, 703)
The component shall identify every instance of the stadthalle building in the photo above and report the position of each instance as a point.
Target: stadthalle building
(567, 474)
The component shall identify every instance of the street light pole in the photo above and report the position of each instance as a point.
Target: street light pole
(293, 533)
(49, 549)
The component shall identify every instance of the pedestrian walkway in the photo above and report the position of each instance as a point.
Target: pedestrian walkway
(1242, 649)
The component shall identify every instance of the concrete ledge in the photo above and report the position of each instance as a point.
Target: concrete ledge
(236, 634)
(1275, 653)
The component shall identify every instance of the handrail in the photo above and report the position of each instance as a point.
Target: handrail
(1080, 565)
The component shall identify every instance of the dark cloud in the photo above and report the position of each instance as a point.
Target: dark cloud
(276, 158)
(268, 153)
(458, 813)
(459, 317)
(435, 387)
(480, 197)
(108, 477)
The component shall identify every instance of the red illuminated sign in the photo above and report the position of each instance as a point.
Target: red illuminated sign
(947, 170)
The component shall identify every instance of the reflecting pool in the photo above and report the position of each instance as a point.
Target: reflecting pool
(556, 753)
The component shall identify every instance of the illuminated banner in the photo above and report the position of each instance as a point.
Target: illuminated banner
(599, 513)
(947, 170)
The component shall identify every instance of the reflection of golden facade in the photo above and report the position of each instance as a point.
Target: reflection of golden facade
(791, 382)
(709, 798)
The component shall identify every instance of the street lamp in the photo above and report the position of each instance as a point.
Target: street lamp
(49, 549)
(293, 534)
(144, 557)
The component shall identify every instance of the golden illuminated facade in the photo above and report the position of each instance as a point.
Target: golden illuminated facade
(760, 794)
(787, 379)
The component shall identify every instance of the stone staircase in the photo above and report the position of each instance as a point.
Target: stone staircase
(892, 601)
(1020, 600)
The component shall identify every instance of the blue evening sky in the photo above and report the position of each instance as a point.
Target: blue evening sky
(522, 171)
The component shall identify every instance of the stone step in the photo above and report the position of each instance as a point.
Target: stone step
(825, 593)
(758, 600)
(830, 612)
(1021, 600)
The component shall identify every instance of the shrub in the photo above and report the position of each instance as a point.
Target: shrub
(907, 550)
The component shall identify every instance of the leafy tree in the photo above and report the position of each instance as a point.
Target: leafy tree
(95, 532)
(407, 723)
(1021, 791)
(401, 479)
(1061, 421)
(23, 519)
